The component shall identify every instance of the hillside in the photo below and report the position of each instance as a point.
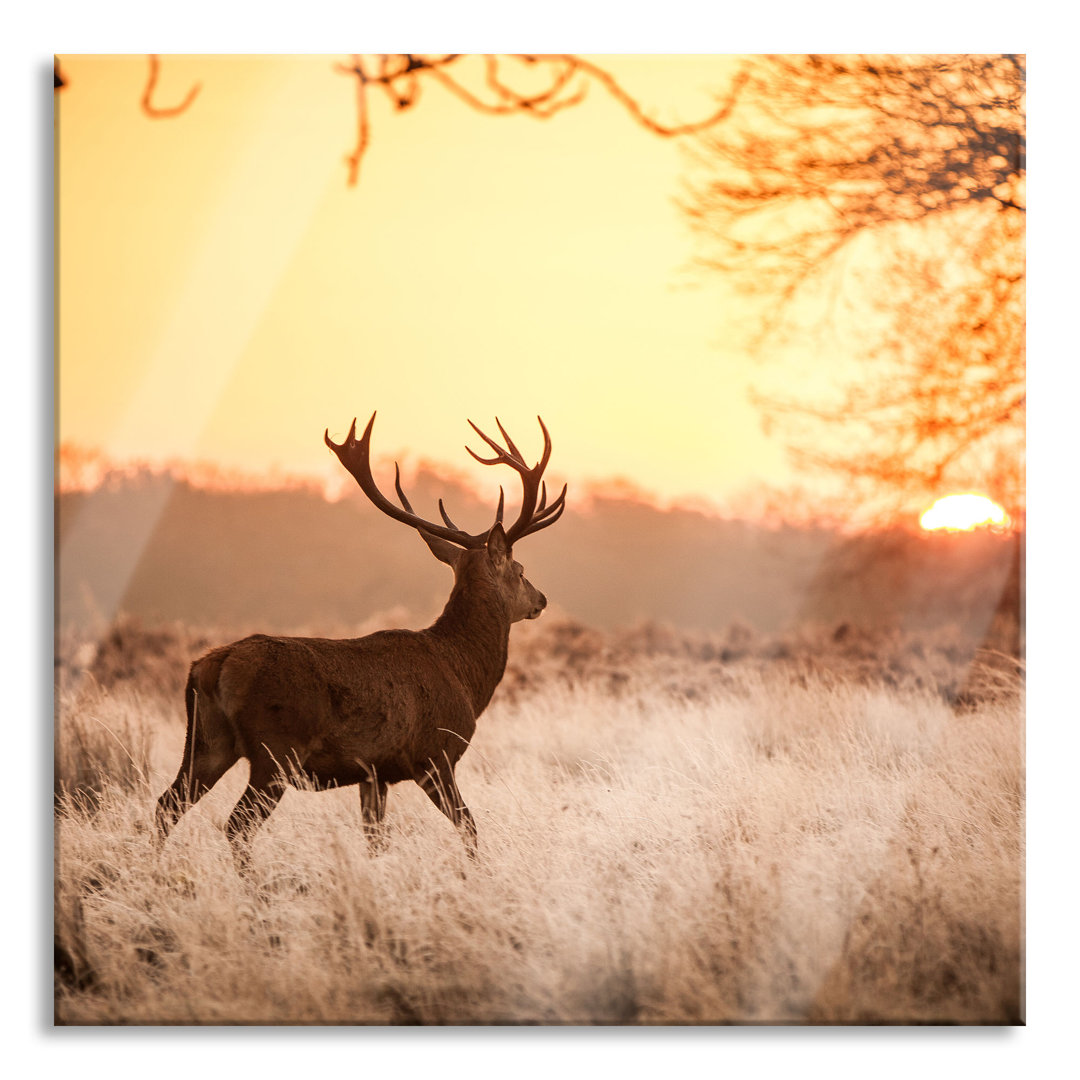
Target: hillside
(160, 550)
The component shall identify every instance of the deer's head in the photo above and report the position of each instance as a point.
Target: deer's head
(484, 561)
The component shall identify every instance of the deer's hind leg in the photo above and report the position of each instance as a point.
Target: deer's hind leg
(209, 753)
(265, 787)
(197, 775)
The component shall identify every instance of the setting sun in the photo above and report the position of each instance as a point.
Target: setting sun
(963, 513)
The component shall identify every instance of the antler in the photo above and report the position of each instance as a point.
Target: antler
(355, 455)
(532, 518)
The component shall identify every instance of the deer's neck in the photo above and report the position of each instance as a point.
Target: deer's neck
(476, 631)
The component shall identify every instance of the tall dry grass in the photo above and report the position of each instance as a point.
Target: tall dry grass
(673, 830)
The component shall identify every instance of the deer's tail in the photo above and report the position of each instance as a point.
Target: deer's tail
(191, 702)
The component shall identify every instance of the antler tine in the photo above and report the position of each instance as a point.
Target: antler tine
(543, 510)
(541, 520)
(501, 456)
(542, 464)
(484, 460)
(397, 487)
(514, 451)
(405, 502)
(555, 507)
(446, 516)
(351, 437)
(511, 455)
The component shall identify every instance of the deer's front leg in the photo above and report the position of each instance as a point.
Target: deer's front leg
(441, 788)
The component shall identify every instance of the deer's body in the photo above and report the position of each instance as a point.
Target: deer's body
(338, 710)
(394, 705)
(341, 711)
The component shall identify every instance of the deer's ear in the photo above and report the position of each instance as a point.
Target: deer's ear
(443, 550)
(497, 544)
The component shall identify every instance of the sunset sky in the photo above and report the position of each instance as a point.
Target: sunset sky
(224, 295)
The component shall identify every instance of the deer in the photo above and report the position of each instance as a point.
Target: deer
(373, 711)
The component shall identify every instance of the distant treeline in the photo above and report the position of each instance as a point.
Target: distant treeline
(159, 549)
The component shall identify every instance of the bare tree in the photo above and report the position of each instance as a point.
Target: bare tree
(893, 189)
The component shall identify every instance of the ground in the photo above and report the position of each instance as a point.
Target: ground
(822, 827)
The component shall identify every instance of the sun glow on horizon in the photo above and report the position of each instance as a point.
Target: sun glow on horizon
(964, 513)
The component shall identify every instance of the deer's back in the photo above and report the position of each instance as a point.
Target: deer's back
(340, 707)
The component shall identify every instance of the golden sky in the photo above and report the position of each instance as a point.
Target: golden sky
(224, 295)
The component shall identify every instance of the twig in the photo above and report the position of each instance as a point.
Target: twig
(162, 112)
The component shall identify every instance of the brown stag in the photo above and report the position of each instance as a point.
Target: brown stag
(394, 705)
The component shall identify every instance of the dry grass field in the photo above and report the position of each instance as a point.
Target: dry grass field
(820, 828)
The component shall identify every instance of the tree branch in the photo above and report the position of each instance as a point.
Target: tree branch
(400, 77)
(163, 112)
(609, 83)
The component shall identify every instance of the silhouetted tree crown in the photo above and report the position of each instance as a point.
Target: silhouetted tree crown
(915, 168)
